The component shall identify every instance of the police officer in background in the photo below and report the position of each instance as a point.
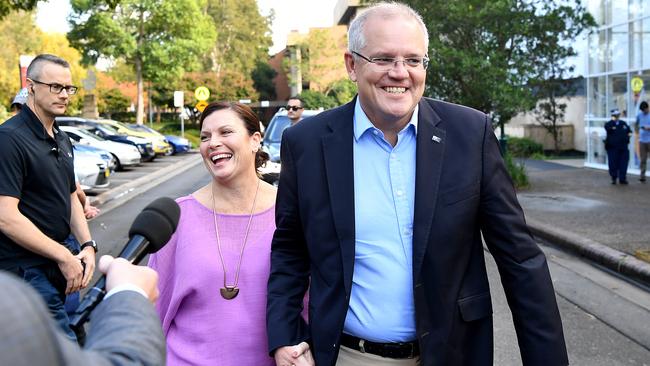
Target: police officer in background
(616, 144)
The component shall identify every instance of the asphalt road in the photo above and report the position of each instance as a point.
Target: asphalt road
(606, 319)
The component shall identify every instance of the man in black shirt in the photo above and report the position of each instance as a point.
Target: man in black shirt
(616, 144)
(38, 205)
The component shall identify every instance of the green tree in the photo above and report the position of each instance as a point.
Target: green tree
(112, 100)
(343, 90)
(160, 38)
(244, 36)
(488, 54)
(263, 80)
(314, 100)
(7, 7)
(18, 36)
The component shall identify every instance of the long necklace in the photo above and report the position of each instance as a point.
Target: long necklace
(229, 292)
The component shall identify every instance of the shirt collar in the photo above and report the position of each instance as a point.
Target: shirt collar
(362, 122)
(35, 124)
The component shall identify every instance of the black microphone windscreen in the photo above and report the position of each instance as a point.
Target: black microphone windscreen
(157, 222)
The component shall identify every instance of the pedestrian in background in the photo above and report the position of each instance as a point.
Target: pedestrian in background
(384, 205)
(294, 109)
(643, 129)
(38, 201)
(214, 270)
(616, 144)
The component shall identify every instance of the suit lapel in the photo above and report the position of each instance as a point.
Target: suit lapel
(339, 166)
(431, 140)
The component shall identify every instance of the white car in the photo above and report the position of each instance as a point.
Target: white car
(125, 154)
(90, 170)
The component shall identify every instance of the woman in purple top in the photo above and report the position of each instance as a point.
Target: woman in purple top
(214, 270)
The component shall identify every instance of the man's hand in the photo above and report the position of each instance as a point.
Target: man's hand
(119, 271)
(90, 211)
(72, 270)
(298, 355)
(87, 255)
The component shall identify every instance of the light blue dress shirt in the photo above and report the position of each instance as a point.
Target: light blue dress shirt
(382, 307)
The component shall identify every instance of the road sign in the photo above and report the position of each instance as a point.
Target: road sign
(201, 105)
(637, 84)
(202, 93)
(179, 98)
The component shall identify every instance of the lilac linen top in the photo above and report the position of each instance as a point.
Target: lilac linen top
(201, 327)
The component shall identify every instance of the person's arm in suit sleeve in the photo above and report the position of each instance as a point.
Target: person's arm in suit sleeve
(521, 263)
(125, 329)
(289, 277)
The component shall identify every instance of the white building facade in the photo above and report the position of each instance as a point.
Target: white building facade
(617, 72)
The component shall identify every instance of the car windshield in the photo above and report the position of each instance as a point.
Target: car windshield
(87, 134)
(108, 130)
(142, 128)
(275, 129)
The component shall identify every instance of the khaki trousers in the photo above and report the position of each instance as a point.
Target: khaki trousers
(350, 357)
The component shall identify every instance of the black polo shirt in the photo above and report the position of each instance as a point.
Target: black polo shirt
(39, 171)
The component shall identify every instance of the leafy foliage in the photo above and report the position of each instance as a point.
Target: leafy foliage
(314, 100)
(160, 38)
(487, 54)
(9, 6)
(523, 147)
(244, 37)
(517, 171)
(112, 100)
(343, 91)
(263, 80)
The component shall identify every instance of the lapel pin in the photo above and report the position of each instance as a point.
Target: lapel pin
(436, 139)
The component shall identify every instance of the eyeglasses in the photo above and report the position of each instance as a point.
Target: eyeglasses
(294, 108)
(389, 63)
(58, 88)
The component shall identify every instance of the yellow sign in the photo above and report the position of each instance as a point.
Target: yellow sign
(202, 93)
(637, 84)
(201, 105)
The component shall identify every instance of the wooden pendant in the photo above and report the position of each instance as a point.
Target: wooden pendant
(229, 292)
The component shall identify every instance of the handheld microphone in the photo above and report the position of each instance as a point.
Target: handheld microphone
(150, 231)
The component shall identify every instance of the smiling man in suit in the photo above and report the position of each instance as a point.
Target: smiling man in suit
(382, 206)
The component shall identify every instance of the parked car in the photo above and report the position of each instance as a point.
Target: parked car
(91, 170)
(124, 154)
(106, 156)
(145, 147)
(273, 133)
(159, 143)
(178, 144)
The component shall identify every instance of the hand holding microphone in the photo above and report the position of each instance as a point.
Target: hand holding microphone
(120, 272)
(150, 231)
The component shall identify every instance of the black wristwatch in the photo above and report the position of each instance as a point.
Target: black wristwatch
(89, 243)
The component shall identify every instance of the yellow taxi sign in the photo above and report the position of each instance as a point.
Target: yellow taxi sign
(201, 105)
(202, 93)
(637, 84)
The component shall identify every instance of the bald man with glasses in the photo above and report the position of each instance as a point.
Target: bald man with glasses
(382, 208)
(38, 204)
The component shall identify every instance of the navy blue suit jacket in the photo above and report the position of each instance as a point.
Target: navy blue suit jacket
(462, 193)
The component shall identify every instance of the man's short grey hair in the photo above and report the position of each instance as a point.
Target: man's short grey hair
(356, 38)
(36, 66)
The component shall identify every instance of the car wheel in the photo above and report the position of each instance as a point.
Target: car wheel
(118, 165)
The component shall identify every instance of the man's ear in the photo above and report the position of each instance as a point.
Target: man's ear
(350, 65)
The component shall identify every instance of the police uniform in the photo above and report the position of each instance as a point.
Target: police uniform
(616, 144)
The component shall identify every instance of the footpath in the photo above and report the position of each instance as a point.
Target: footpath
(578, 209)
(570, 206)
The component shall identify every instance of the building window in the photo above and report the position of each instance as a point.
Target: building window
(638, 8)
(618, 48)
(597, 52)
(597, 100)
